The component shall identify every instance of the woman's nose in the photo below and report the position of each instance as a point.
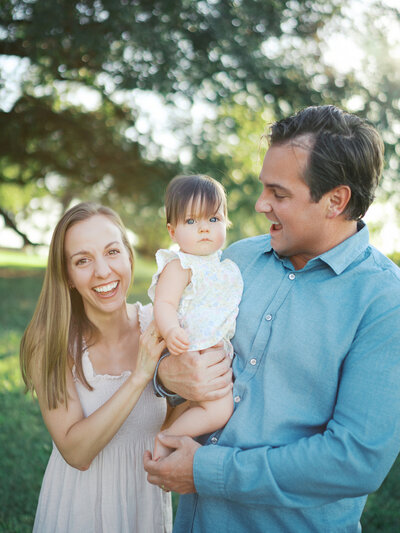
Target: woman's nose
(102, 268)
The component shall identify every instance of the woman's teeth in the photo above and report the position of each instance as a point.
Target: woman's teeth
(106, 288)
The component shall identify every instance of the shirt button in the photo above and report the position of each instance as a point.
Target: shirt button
(253, 361)
(237, 399)
(268, 317)
(214, 440)
(292, 276)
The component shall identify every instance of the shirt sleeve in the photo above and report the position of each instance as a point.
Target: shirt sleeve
(350, 458)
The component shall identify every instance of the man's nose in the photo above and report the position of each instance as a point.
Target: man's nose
(263, 205)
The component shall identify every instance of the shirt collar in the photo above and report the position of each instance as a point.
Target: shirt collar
(342, 255)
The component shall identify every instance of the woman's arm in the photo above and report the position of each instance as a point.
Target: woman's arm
(80, 439)
(170, 286)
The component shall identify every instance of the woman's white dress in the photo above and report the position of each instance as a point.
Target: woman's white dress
(113, 495)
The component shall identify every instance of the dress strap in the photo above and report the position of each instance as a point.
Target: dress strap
(145, 315)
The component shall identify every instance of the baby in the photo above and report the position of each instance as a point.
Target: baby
(195, 294)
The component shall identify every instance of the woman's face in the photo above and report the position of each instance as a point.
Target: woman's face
(98, 264)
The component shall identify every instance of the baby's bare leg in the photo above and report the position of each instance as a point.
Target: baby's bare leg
(200, 418)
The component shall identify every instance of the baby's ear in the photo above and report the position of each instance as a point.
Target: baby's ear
(171, 231)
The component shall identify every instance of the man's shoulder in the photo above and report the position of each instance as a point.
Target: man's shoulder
(385, 265)
(247, 250)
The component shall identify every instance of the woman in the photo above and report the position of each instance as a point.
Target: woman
(90, 357)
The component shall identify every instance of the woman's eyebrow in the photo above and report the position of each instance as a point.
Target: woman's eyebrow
(83, 252)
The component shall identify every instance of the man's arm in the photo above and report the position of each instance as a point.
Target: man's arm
(349, 459)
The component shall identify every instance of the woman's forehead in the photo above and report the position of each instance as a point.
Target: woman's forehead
(93, 231)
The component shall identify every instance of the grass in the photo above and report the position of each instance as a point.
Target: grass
(24, 442)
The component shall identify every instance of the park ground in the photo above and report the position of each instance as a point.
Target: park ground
(24, 442)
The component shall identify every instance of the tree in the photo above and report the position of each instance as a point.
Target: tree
(261, 54)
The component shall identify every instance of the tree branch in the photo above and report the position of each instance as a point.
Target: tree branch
(10, 223)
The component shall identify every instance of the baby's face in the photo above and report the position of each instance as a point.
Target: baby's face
(199, 235)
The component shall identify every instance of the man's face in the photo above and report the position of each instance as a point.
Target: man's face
(299, 227)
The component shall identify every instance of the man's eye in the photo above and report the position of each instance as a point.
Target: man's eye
(190, 221)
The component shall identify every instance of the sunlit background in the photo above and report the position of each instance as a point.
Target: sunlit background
(107, 100)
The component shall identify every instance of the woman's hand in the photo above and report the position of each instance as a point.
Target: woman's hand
(151, 346)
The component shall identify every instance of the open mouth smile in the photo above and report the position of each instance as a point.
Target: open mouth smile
(105, 289)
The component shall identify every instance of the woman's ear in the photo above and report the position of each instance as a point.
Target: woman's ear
(339, 198)
(171, 231)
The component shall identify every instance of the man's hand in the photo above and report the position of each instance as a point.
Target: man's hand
(174, 472)
(198, 376)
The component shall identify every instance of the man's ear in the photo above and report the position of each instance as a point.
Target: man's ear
(338, 199)
(171, 231)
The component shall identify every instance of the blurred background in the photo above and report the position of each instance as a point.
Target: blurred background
(107, 100)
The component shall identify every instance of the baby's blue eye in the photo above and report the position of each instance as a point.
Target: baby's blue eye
(190, 221)
(213, 219)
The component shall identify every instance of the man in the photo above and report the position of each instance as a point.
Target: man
(316, 425)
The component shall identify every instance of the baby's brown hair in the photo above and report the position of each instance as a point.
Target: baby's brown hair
(185, 191)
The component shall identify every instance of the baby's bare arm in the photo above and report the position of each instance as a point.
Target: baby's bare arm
(170, 286)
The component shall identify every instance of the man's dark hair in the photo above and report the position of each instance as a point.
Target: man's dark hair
(344, 150)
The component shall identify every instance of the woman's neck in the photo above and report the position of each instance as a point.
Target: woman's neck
(112, 327)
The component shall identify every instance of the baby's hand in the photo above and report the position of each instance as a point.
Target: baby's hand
(177, 341)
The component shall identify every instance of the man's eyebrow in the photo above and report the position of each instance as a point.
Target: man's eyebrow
(84, 252)
(275, 186)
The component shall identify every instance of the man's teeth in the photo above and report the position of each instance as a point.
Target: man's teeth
(106, 288)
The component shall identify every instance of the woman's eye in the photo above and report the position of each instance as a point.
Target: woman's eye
(113, 252)
(190, 221)
(81, 261)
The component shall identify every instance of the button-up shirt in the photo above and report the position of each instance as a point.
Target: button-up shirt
(316, 422)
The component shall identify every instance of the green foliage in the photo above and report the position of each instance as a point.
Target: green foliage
(24, 441)
(256, 52)
(395, 257)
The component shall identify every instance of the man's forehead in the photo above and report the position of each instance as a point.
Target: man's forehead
(282, 159)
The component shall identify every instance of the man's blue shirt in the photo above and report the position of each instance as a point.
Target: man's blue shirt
(316, 425)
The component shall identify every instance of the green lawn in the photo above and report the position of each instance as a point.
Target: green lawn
(24, 442)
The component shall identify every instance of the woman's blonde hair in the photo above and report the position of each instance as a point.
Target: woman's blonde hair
(59, 324)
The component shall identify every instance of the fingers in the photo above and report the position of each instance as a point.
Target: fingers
(220, 393)
(152, 468)
(177, 347)
(213, 356)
